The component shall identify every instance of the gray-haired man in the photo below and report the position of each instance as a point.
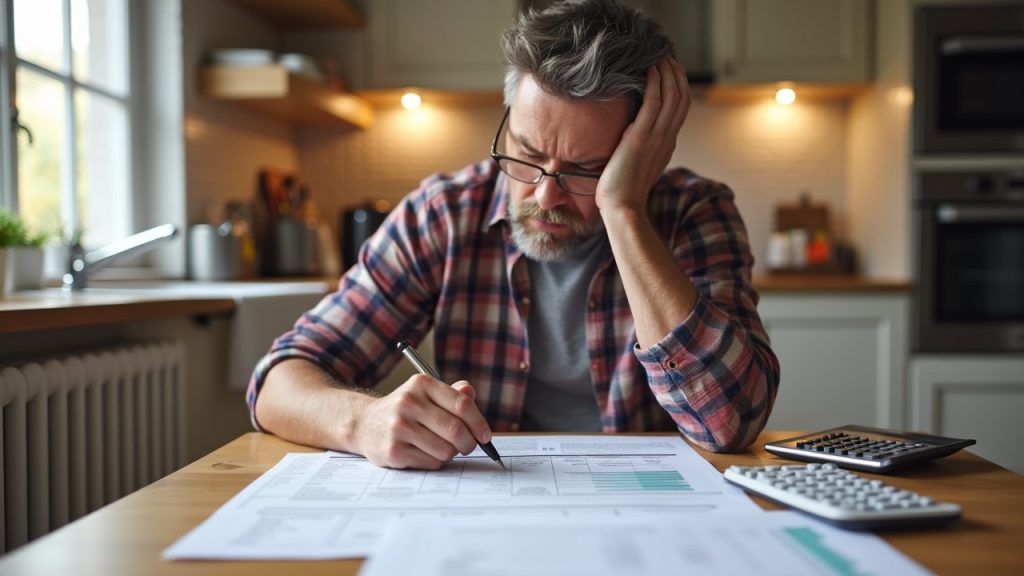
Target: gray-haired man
(572, 280)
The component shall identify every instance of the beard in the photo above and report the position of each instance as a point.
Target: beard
(545, 246)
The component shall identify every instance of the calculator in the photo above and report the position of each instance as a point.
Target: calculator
(868, 449)
(842, 497)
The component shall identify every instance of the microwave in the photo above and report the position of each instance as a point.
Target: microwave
(969, 78)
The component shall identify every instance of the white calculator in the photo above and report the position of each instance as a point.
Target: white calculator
(842, 497)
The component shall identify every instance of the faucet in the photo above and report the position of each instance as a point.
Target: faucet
(82, 264)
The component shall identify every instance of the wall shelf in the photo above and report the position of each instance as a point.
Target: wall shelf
(299, 14)
(275, 91)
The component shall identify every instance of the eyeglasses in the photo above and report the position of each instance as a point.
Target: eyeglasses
(571, 182)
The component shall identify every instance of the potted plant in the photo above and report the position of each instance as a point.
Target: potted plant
(21, 254)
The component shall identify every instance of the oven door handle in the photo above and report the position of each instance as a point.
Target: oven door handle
(981, 44)
(950, 213)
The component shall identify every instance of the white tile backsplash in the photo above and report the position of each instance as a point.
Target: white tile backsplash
(766, 153)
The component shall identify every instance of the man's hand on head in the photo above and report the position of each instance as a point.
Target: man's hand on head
(648, 143)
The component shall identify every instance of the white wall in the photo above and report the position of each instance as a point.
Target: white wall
(768, 154)
(879, 150)
(225, 146)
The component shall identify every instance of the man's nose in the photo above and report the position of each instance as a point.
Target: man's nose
(549, 193)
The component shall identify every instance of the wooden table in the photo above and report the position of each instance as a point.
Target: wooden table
(127, 536)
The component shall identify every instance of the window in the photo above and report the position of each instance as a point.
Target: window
(67, 73)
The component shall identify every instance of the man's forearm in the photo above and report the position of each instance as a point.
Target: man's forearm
(660, 295)
(300, 402)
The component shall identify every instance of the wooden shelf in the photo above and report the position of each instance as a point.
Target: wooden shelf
(275, 91)
(297, 14)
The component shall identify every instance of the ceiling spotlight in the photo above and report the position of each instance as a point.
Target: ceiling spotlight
(785, 96)
(411, 100)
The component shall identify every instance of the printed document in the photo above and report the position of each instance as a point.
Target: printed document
(336, 505)
(772, 544)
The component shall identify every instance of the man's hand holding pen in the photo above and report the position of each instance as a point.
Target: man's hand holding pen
(422, 424)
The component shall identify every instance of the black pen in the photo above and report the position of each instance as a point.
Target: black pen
(423, 368)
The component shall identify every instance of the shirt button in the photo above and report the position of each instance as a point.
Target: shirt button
(514, 427)
(526, 300)
(523, 365)
(591, 304)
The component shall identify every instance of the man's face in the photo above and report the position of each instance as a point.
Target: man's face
(558, 134)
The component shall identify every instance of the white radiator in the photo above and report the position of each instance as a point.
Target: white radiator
(81, 431)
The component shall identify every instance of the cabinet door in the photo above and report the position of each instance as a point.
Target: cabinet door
(817, 41)
(443, 44)
(843, 359)
(972, 397)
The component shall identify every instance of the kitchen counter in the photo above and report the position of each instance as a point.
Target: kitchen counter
(128, 301)
(813, 282)
(52, 309)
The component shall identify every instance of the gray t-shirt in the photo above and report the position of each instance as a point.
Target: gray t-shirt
(559, 392)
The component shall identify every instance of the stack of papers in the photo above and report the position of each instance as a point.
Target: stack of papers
(566, 505)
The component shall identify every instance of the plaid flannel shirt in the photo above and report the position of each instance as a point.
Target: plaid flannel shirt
(444, 259)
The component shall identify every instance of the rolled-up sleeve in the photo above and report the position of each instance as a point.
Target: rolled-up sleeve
(388, 296)
(715, 373)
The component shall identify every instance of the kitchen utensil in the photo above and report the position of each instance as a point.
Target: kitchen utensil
(214, 253)
(357, 225)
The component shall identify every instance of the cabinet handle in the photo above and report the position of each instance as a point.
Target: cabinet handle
(948, 214)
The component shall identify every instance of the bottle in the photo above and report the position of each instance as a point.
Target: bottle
(778, 251)
(237, 223)
(819, 251)
(798, 239)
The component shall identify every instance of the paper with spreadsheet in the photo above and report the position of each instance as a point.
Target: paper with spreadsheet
(336, 505)
(771, 544)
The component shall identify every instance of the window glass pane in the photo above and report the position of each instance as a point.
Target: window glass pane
(38, 35)
(99, 43)
(41, 164)
(102, 168)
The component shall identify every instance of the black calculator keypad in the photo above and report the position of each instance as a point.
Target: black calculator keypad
(857, 446)
(866, 448)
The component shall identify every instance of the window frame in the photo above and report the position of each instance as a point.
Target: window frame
(10, 63)
(8, 149)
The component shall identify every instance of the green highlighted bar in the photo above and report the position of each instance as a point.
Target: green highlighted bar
(811, 541)
(645, 481)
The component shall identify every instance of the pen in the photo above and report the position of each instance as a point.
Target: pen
(423, 368)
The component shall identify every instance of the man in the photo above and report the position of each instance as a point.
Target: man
(571, 284)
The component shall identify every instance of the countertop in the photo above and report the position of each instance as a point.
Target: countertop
(53, 309)
(48, 310)
(816, 282)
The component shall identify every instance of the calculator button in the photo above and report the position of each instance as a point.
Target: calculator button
(841, 496)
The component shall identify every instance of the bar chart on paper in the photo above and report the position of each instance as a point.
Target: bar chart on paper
(335, 505)
(583, 474)
(775, 544)
(639, 481)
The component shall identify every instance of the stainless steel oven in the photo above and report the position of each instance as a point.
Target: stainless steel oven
(969, 78)
(969, 293)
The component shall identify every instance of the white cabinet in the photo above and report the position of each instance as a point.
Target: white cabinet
(450, 44)
(811, 41)
(980, 397)
(843, 358)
